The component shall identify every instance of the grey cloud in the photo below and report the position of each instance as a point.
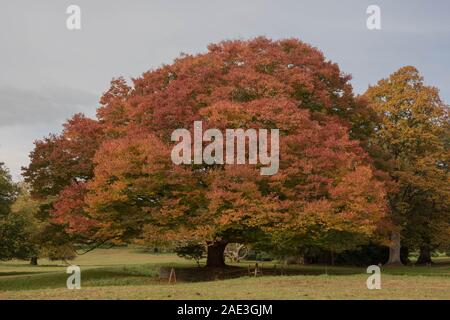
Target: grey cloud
(46, 106)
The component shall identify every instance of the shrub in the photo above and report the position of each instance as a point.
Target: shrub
(191, 251)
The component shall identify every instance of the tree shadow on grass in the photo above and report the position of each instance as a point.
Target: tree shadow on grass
(199, 274)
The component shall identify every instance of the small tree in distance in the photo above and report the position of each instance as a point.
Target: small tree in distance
(191, 251)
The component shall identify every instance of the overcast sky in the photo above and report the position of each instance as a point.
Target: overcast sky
(47, 72)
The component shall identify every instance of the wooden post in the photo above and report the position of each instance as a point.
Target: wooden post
(172, 276)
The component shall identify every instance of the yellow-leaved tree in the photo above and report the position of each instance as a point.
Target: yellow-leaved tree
(411, 143)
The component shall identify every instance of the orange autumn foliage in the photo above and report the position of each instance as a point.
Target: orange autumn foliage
(325, 188)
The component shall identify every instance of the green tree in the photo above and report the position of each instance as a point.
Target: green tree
(8, 191)
(16, 229)
(191, 251)
(45, 239)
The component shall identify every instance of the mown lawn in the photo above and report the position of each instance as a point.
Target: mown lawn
(131, 274)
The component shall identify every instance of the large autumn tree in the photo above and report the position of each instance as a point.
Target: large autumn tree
(112, 179)
(411, 143)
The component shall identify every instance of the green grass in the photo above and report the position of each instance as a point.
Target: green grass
(110, 276)
(125, 273)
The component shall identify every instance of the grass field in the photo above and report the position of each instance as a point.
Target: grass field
(127, 273)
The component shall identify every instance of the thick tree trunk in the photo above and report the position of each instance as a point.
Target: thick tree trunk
(394, 249)
(424, 256)
(34, 261)
(215, 255)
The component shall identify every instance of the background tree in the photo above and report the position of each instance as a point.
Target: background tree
(16, 227)
(192, 251)
(48, 240)
(8, 191)
(411, 139)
